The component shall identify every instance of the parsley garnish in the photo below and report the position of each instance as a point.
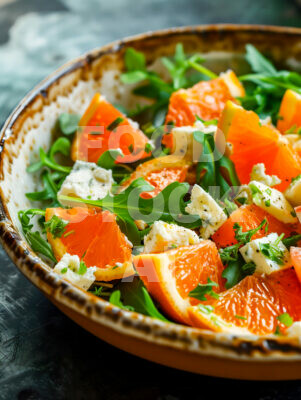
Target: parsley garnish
(245, 237)
(56, 226)
(236, 268)
(272, 251)
(64, 270)
(204, 289)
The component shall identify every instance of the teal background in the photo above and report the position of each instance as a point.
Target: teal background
(44, 355)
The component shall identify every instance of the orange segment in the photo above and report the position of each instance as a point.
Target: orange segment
(95, 137)
(170, 276)
(254, 143)
(249, 217)
(253, 305)
(290, 111)
(160, 172)
(94, 236)
(295, 253)
(205, 99)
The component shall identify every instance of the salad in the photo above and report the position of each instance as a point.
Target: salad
(186, 208)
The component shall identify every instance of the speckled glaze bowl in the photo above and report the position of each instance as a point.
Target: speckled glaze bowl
(69, 89)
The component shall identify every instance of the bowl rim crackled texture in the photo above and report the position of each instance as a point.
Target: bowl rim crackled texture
(166, 343)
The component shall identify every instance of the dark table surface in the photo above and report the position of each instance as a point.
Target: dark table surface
(44, 355)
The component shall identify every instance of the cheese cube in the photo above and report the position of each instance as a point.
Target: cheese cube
(244, 195)
(68, 268)
(87, 181)
(211, 214)
(258, 174)
(294, 330)
(163, 236)
(273, 202)
(252, 252)
(293, 192)
(184, 144)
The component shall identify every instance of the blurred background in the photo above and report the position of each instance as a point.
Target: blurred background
(43, 355)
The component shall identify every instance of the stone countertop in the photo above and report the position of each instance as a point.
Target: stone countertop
(43, 354)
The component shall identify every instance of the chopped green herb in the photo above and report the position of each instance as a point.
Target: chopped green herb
(113, 125)
(82, 267)
(285, 319)
(240, 317)
(245, 237)
(204, 289)
(64, 270)
(56, 226)
(272, 251)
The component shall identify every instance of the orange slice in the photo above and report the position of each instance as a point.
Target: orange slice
(94, 236)
(205, 99)
(250, 217)
(170, 276)
(105, 128)
(255, 143)
(290, 112)
(160, 172)
(252, 306)
(296, 260)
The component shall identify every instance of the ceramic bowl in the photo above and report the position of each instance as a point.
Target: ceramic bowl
(70, 89)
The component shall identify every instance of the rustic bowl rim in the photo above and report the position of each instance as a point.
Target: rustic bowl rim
(103, 313)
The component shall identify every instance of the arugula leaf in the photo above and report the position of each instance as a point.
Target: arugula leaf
(116, 301)
(291, 241)
(39, 245)
(207, 162)
(34, 239)
(68, 123)
(168, 206)
(179, 65)
(134, 60)
(179, 68)
(133, 296)
(108, 158)
(56, 226)
(201, 290)
(237, 270)
(61, 145)
(265, 87)
(258, 62)
(48, 193)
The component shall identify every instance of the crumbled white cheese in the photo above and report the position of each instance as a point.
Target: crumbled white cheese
(163, 236)
(295, 141)
(293, 192)
(252, 251)
(68, 268)
(294, 329)
(258, 174)
(87, 181)
(273, 202)
(184, 144)
(211, 214)
(244, 195)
